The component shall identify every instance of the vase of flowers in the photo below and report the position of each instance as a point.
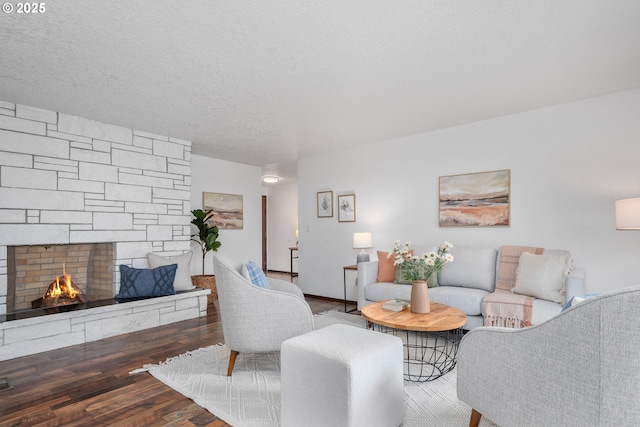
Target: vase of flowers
(418, 269)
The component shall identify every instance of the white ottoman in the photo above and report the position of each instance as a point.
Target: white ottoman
(342, 376)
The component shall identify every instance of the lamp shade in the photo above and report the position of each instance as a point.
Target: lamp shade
(627, 214)
(362, 240)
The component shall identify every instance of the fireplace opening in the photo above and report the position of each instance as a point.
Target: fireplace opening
(35, 282)
(61, 292)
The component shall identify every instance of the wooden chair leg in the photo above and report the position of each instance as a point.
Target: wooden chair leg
(232, 361)
(475, 418)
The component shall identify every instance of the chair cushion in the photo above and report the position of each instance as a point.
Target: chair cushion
(182, 281)
(543, 276)
(144, 282)
(255, 274)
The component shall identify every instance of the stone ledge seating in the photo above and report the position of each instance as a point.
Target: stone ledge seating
(33, 335)
(462, 284)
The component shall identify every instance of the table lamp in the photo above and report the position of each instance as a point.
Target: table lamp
(362, 241)
(627, 214)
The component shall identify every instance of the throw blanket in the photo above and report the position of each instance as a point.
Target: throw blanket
(503, 307)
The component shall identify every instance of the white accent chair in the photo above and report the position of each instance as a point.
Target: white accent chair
(256, 320)
(580, 368)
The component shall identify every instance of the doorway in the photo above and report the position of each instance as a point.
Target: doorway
(264, 233)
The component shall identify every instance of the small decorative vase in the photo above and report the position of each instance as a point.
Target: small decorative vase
(420, 301)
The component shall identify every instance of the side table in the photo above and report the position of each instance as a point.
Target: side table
(291, 251)
(344, 283)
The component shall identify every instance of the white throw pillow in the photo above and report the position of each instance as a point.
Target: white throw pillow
(182, 281)
(543, 276)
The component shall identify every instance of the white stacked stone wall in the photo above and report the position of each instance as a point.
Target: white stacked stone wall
(66, 179)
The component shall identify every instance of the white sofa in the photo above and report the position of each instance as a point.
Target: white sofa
(462, 284)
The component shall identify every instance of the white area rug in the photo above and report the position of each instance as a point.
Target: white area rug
(251, 397)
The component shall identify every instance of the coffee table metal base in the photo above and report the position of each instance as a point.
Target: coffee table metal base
(427, 355)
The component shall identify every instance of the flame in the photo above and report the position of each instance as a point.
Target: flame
(65, 288)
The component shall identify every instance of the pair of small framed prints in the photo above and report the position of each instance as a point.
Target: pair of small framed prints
(346, 206)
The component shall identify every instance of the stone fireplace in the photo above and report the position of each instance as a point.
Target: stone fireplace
(71, 184)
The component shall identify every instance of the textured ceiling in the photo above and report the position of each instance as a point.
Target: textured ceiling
(268, 82)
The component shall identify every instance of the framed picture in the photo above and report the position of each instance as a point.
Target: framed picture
(347, 208)
(475, 199)
(325, 204)
(226, 210)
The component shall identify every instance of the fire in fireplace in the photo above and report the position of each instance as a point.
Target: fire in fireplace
(61, 292)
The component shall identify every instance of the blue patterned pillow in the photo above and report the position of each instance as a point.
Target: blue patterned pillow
(143, 282)
(578, 299)
(257, 276)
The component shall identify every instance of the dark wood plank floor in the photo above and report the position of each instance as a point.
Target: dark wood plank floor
(90, 385)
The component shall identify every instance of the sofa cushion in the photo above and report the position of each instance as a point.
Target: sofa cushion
(543, 276)
(386, 267)
(543, 310)
(432, 281)
(467, 300)
(472, 267)
(383, 291)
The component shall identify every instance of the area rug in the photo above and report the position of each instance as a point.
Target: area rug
(251, 397)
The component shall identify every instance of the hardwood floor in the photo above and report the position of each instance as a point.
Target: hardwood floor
(90, 385)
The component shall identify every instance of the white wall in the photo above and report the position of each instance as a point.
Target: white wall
(568, 163)
(219, 176)
(282, 221)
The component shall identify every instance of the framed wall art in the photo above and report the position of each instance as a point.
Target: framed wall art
(325, 204)
(226, 210)
(475, 199)
(347, 208)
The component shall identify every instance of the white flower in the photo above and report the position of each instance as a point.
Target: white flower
(420, 267)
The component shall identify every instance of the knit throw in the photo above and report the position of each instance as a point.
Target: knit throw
(503, 307)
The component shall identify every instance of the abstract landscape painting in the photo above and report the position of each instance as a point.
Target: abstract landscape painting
(226, 210)
(475, 199)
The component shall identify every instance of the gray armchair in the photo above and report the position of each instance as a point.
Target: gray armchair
(256, 319)
(580, 368)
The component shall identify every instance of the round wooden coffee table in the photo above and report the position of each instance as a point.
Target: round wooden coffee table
(430, 340)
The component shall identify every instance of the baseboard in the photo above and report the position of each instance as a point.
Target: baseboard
(330, 299)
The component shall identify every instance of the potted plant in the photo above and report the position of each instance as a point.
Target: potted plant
(207, 238)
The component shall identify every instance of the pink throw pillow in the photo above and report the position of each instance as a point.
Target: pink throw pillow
(386, 269)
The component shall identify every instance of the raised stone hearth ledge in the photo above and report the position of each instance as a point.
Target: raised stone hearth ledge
(37, 334)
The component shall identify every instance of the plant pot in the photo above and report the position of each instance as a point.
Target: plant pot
(420, 300)
(206, 281)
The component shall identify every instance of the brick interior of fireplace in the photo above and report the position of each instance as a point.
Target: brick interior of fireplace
(30, 270)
